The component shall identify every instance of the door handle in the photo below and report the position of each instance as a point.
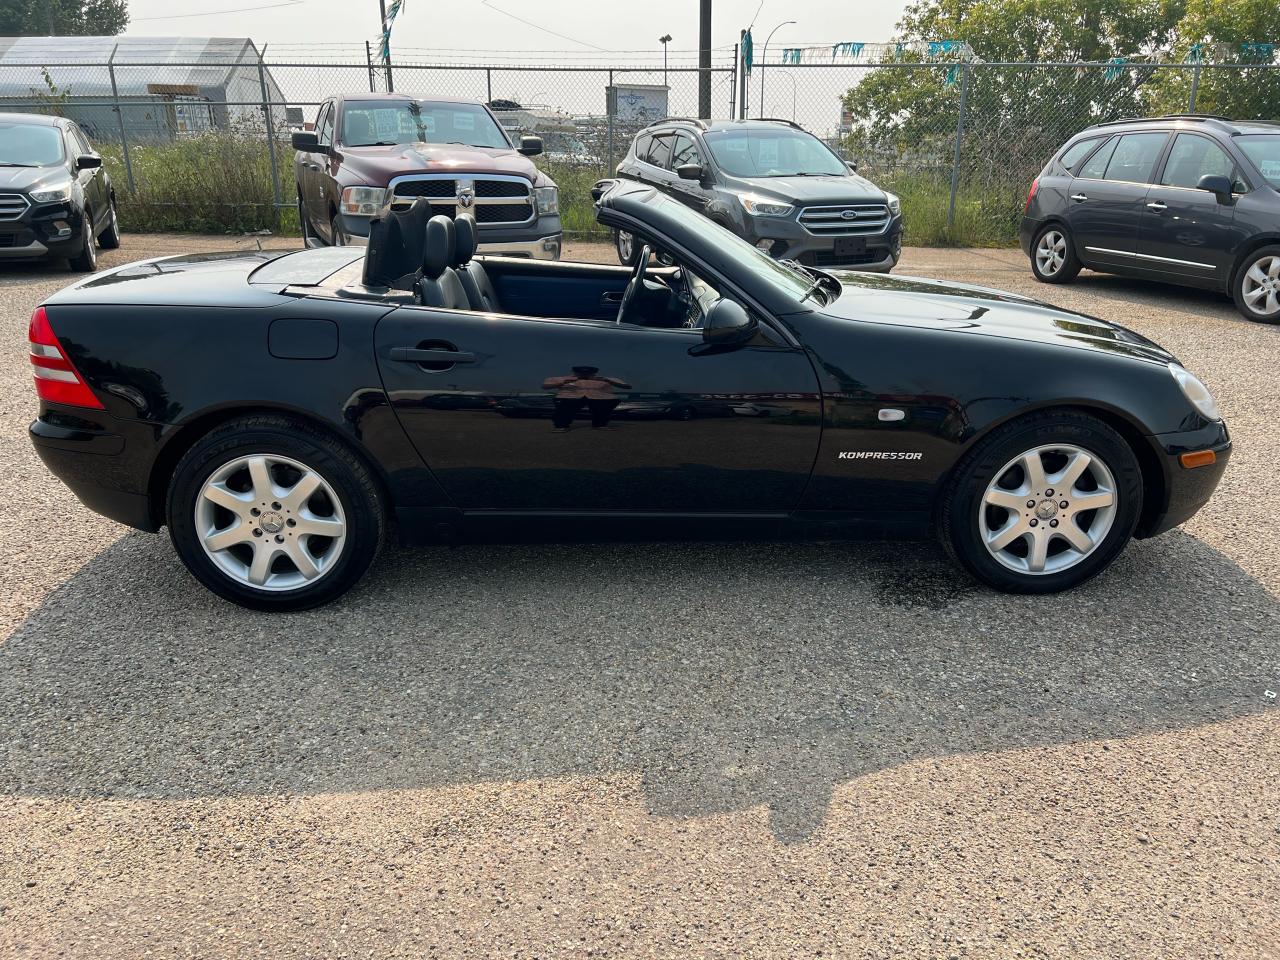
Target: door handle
(611, 298)
(1157, 205)
(1079, 197)
(416, 355)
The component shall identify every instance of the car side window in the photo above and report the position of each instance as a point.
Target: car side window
(660, 151)
(684, 150)
(642, 146)
(1096, 166)
(1077, 152)
(324, 126)
(1193, 157)
(1135, 156)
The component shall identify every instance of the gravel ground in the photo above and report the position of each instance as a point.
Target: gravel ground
(692, 750)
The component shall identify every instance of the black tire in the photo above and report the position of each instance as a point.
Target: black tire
(109, 239)
(962, 513)
(625, 245)
(86, 261)
(336, 237)
(304, 224)
(358, 494)
(1243, 285)
(1056, 270)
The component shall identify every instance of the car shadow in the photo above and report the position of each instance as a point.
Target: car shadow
(724, 676)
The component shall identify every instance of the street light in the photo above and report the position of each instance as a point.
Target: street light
(764, 58)
(664, 40)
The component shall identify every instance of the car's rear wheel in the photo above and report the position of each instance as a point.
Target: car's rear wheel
(1043, 503)
(625, 243)
(274, 515)
(1053, 259)
(109, 239)
(1257, 286)
(86, 261)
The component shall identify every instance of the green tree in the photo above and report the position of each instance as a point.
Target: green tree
(92, 18)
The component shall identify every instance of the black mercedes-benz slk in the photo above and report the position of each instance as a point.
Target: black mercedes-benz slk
(279, 412)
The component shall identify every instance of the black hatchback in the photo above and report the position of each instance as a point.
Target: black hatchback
(1187, 199)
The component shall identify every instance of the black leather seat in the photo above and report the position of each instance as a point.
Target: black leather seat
(480, 292)
(439, 285)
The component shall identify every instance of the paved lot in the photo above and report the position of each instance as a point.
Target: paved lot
(651, 750)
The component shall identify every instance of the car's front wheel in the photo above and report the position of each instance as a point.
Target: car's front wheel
(1053, 259)
(1043, 503)
(337, 238)
(109, 239)
(1257, 286)
(274, 515)
(86, 261)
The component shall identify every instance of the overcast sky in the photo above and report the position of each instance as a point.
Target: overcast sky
(492, 25)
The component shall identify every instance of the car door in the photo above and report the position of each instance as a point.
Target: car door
(1107, 197)
(533, 415)
(311, 171)
(1185, 231)
(92, 180)
(684, 150)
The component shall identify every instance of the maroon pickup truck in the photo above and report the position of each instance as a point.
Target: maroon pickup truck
(369, 150)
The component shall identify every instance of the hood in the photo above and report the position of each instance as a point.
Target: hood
(918, 302)
(838, 188)
(27, 178)
(377, 165)
(197, 280)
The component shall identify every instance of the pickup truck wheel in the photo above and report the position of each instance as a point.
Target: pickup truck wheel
(304, 225)
(335, 231)
(86, 261)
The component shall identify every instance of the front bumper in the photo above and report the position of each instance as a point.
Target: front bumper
(788, 239)
(539, 239)
(1185, 490)
(45, 229)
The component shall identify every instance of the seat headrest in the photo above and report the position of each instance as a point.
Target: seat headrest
(464, 238)
(437, 250)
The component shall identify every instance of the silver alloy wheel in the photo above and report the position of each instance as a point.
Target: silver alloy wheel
(626, 246)
(1048, 509)
(1261, 286)
(270, 523)
(1051, 252)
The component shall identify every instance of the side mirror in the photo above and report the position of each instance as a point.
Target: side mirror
(307, 142)
(728, 324)
(1218, 185)
(88, 161)
(689, 171)
(531, 146)
(852, 165)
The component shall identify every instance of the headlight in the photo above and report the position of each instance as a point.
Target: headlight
(363, 201)
(52, 194)
(1196, 392)
(895, 205)
(759, 206)
(547, 199)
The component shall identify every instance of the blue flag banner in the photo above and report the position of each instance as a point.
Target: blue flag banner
(747, 51)
(392, 11)
(792, 54)
(1258, 51)
(1113, 72)
(847, 49)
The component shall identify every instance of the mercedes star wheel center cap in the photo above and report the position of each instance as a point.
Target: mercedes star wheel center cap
(1047, 510)
(272, 522)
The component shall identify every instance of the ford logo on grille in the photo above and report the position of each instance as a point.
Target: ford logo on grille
(848, 214)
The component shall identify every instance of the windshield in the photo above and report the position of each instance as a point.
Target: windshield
(1264, 151)
(743, 255)
(29, 145)
(387, 122)
(771, 152)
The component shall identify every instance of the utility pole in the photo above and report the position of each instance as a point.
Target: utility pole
(386, 45)
(704, 59)
(664, 40)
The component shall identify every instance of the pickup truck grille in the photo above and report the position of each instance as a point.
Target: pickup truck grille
(492, 200)
(845, 220)
(13, 205)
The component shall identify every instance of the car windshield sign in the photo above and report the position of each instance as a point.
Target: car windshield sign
(29, 145)
(390, 122)
(770, 152)
(1264, 151)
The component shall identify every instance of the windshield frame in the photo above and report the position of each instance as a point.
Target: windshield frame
(58, 135)
(422, 104)
(1273, 182)
(715, 138)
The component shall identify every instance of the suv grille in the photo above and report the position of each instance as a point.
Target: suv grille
(845, 220)
(12, 206)
(495, 200)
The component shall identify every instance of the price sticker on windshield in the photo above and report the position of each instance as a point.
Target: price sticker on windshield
(1270, 169)
(464, 121)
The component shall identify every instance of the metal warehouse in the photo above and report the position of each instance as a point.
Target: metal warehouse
(166, 87)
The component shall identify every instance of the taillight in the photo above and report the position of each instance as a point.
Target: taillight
(57, 379)
(1035, 185)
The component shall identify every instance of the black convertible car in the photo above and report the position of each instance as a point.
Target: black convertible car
(279, 411)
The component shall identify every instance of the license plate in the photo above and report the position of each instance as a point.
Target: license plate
(850, 246)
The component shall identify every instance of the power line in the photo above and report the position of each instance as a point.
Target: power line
(218, 13)
(530, 23)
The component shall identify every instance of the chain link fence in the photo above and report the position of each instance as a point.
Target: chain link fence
(199, 139)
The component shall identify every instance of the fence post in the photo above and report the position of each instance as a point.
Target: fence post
(955, 160)
(271, 136)
(1195, 87)
(733, 86)
(611, 107)
(488, 85)
(115, 100)
(368, 59)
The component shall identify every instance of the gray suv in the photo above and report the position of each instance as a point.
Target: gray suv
(772, 183)
(1187, 199)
